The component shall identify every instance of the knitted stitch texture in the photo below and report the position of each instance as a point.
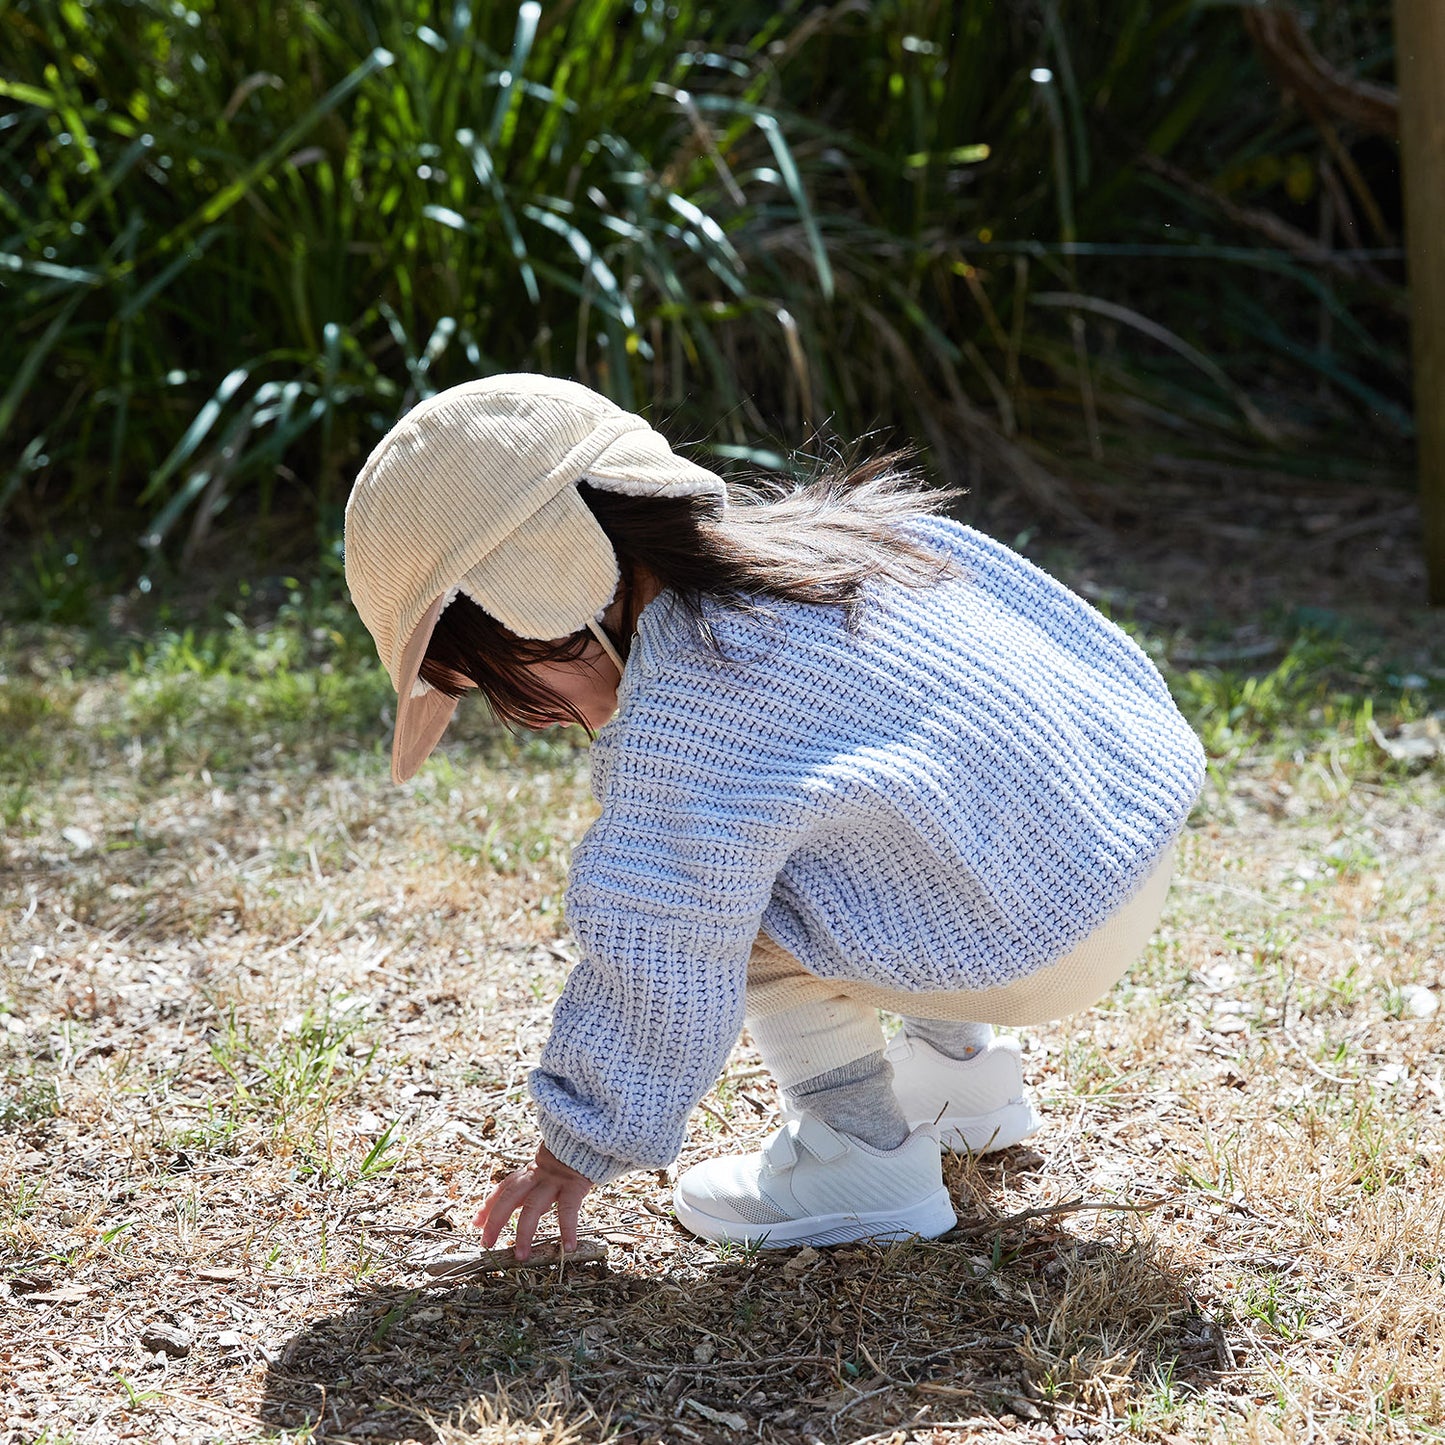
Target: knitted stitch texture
(948, 795)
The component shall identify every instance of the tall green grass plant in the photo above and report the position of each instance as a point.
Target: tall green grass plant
(238, 241)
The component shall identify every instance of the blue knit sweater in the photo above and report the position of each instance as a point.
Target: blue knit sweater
(949, 794)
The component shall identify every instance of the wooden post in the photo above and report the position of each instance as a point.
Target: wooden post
(1420, 64)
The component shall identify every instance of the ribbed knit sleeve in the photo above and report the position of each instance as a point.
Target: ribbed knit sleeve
(640, 1034)
(665, 897)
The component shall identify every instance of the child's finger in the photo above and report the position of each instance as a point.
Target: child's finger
(485, 1216)
(567, 1221)
(538, 1202)
(501, 1204)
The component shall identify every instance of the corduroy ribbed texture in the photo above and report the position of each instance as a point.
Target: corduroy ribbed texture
(948, 796)
(452, 481)
(476, 489)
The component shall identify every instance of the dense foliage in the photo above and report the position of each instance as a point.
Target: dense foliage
(1043, 236)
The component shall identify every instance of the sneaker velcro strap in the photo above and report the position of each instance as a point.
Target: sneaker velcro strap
(780, 1152)
(820, 1141)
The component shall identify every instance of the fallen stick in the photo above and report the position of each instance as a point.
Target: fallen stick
(546, 1253)
(1074, 1206)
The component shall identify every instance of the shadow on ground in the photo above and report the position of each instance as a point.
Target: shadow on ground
(1036, 1325)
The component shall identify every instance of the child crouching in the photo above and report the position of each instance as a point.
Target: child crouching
(849, 755)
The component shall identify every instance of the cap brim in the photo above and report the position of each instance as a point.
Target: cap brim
(422, 714)
(640, 463)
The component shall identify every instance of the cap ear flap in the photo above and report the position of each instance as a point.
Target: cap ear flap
(550, 576)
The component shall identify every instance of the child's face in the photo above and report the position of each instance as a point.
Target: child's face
(589, 684)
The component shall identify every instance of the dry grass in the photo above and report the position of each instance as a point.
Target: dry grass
(264, 1035)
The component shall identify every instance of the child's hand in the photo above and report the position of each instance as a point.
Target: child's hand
(534, 1191)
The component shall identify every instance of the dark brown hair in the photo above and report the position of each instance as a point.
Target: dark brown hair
(816, 541)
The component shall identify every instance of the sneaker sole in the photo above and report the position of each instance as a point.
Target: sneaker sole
(925, 1220)
(988, 1133)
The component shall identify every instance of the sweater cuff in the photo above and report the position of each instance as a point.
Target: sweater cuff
(599, 1168)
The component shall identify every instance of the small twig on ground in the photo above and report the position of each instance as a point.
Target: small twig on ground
(301, 937)
(714, 1115)
(1074, 1206)
(1310, 1064)
(199, 1402)
(548, 1252)
(412, 1231)
(876, 1367)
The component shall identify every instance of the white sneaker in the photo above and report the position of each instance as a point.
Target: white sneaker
(977, 1104)
(812, 1185)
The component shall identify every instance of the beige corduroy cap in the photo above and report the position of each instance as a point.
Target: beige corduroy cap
(475, 490)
